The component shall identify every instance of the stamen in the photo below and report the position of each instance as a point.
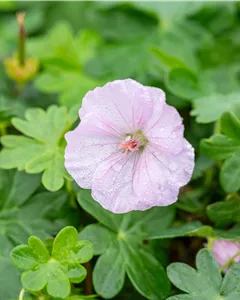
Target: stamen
(130, 144)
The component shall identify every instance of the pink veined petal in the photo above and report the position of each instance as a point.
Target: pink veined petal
(167, 132)
(126, 103)
(177, 168)
(159, 100)
(112, 183)
(151, 181)
(88, 145)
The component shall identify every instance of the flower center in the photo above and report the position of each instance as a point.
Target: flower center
(133, 142)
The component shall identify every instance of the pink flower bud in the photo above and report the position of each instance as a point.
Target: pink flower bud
(224, 250)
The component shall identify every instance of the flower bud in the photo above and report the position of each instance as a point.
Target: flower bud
(21, 73)
(224, 250)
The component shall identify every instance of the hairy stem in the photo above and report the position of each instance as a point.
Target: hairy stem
(21, 295)
(229, 262)
(21, 39)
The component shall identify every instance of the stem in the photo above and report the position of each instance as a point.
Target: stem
(21, 295)
(229, 262)
(71, 193)
(3, 130)
(210, 243)
(217, 127)
(21, 39)
(88, 280)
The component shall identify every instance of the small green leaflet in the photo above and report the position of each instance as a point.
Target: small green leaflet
(41, 148)
(206, 282)
(55, 272)
(119, 240)
(210, 108)
(226, 147)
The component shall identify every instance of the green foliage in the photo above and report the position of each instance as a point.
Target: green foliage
(226, 147)
(42, 147)
(209, 109)
(23, 213)
(64, 56)
(119, 240)
(206, 282)
(55, 272)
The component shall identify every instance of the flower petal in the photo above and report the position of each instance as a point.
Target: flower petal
(158, 176)
(126, 103)
(112, 183)
(167, 132)
(177, 168)
(151, 181)
(88, 145)
(159, 100)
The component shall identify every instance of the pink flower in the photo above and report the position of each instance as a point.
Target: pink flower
(129, 147)
(224, 250)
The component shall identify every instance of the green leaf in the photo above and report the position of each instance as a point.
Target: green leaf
(208, 268)
(37, 245)
(24, 257)
(224, 212)
(109, 273)
(169, 56)
(34, 280)
(230, 125)
(56, 272)
(191, 201)
(204, 283)
(227, 75)
(10, 108)
(64, 62)
(188, 229)
(210, 108)
(183, 83)
(230, 173)
(43, 149)
(68, 249)
(169, 12)
(231, 234)
(9, 283)
(112, 221)
(58, 43)
(130, 230)
(101, 237)
(22, 214)
(58, 283)
(84, 251)
(111, 60)
(77, 274)
(64, 242)
(166, 60)
(71, 85)
(145, 272)
(49, 275)
(231, 283)
(219, 147)
(202, 163)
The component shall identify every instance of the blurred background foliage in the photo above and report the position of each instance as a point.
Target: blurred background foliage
(189, 49)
